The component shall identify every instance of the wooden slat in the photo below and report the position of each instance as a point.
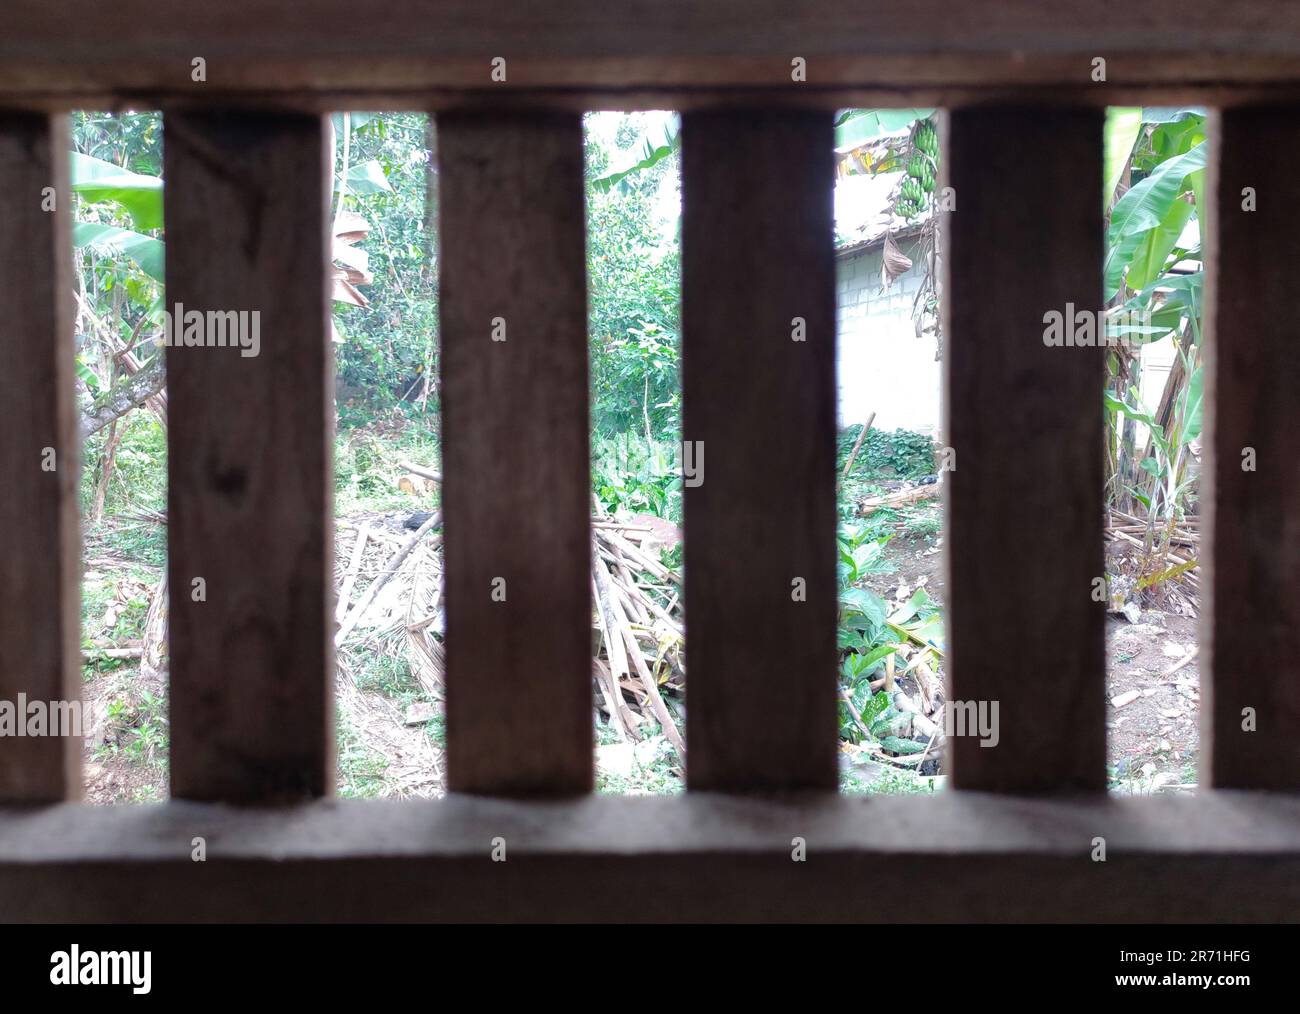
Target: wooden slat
(1024, 502)
(953, 857)
(248, 443)
(1254, 412)
(39, 455)
(757, 252)
(516, 487)
(67, 47)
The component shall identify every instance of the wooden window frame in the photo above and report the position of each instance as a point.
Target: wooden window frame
(1010, 842)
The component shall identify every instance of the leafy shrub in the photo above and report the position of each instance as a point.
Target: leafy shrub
(903, 454)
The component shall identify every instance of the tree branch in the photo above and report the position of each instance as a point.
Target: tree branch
(124, 396)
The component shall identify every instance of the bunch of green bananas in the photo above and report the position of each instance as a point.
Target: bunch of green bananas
(926, 138)
(911, 199)
(921, 169)
(918, 184)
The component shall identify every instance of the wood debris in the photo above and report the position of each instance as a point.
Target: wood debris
(390, 601)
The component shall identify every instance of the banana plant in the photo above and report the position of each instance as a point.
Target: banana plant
(1154, 191)
(138, 199)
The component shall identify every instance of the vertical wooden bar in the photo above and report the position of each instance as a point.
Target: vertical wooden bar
(516, 489)
(1251, 715)
(250, 529)
(758, 424)
(39, 455)
(1024, 419)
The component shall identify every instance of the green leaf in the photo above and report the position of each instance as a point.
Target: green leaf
(895, 744)
(1192, 411)
(1123, 124)
(140, 196)
(1174, 137)
(865, 603)
(88, 375)
(876, 655)
(110, 241)
(1144, 207)
(657, 145)
(1171, 114)
(1196, 182)
(1148, 261)
(367, 178)
(874, 707)
(857, 126)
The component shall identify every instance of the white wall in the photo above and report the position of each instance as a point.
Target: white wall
(883, 367)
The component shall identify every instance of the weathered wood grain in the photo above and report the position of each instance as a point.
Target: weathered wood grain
(758, 419)
(1251, 697)
(951, 857)
(249, 507)
(1024, 502)
(70, 49)
(39, 459)
(516, 485)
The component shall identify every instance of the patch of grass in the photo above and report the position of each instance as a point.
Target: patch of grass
(99, 590)
(655, 780)
(889, 781)
(134, 541)
(141, 729)
(367, 468)
(387, 675)
(436, 729)
(924, 522)
(139, 477)
(361, 770)
(652, 773)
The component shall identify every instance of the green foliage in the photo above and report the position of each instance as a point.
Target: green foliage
(367, 465)
(902, 454)
(140, 195)
(634, 298)
(390, 347)
(139, 477)
(1151, 231)
(864, 639)
(1148, 219)
(112, 242)
(857, 126)
(138, 726)
(631, 477)
(361, 769)
(866, 143)
(658, 143)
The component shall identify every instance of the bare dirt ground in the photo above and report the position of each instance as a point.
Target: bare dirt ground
(1152, 715)
(1153, 737)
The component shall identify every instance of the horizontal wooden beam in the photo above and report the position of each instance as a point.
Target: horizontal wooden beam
(1219, 856)
(66, 48)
